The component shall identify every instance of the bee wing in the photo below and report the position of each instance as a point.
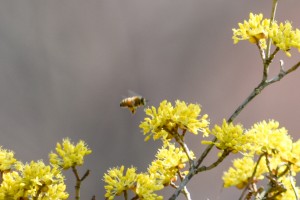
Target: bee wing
(132, 93)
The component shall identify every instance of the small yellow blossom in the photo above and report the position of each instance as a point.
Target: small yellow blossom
(169, 160)
(173, 156)
(267, 137)
(117, 182)
(284, 37)
(230, 137)
(146, 186)
(295, 156)
(164, 122)
(12, 186)
(7, 159)
(33, 180)
(255, 30)
(162, 174)
(241, 172)
(69, 155)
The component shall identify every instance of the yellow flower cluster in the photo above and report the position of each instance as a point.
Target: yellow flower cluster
(117, 182)
(33, 181)
(164, 122)
(242, 170)
(257, 30)
(161, 172)
(286, 183)
(284, 37)
(230, 137)
(146, 186)
(267, 137)
(239, 175)
(169, 160)
(7, 159)
(278, 153)
(294, 156)
(69, 155)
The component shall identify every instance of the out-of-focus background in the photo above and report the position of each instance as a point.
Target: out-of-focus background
(66, 65)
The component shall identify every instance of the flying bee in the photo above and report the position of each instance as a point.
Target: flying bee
(132, 103)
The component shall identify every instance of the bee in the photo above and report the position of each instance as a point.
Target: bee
(132, 103)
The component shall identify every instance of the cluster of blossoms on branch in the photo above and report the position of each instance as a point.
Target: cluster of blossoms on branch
(163, 123)
(161, 172)
(268, 153)
(257, 30)
(36, 180)
(278, 155)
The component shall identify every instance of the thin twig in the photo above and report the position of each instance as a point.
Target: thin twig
(192, 170)
(273, 13)
(185, 148)
(252, 176)
(215, 164)
(85, 175)
(184, 190)
(125, 195)
(173, 185)
(78, 181)
(261, 52)
(293, 186)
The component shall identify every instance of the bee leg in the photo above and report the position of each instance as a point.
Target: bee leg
(132, 109)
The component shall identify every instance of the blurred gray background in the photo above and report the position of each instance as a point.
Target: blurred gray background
(66, 65)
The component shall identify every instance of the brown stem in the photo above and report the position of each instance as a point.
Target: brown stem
(215, 164)
(78, 181)
(252, 176)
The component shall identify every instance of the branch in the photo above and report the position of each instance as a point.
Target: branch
(186, 150)
(192, 171)
(78, 181)
(293, 186)
(215, 164)
(273, 12)
(252, 176)
(184, 190)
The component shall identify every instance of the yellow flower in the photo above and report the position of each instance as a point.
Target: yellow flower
(292, 156)
(6, 160)
(241, 172)
(69, 155)
(284, 37)
(33, 180)
(173, 157)
(146, 186)
(169, 160)
(164, 122)
(255, 30)
(162, 174)
(117, 182)
(12, 186)
(267, 137)
(230, 137)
